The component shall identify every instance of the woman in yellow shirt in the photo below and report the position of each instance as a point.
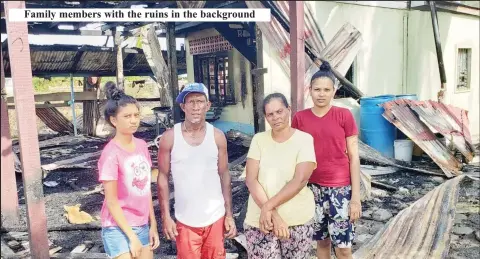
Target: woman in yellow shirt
(281, 208)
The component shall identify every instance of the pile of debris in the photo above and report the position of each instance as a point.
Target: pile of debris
(415, 118)
(398, 197)
(409, 207)
(16, 245)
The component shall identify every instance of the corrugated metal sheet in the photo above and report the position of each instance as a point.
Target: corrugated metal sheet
(191, 4)
(399, 113)
(49, 60)
(54, 119)
(420, 231)
(342, 49)
(450, 121)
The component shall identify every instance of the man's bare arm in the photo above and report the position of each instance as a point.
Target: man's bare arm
(223, 171)
(164, 148)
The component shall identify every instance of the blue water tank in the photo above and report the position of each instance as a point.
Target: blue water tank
(407, 96)
(400, 134)
(375, 130)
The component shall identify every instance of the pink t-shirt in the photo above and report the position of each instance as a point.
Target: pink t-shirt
(132, 171)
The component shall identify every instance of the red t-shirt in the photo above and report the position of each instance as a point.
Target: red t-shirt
(329, 135)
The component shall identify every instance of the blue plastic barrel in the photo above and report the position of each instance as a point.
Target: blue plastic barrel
(375, 130)
(407, 96)
(400, 134)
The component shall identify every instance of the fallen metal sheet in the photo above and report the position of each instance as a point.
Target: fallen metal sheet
(54, 120)
(66, 140)
(451, 122)
(370, 154)
(422, 230)
(378, 170)
(64, 144)
(83, 161)
(399, 113)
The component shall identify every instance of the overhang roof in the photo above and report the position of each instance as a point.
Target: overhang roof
(63, 60)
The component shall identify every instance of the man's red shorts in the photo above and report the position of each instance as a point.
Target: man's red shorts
(201, 243)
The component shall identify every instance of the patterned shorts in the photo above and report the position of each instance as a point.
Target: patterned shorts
(331, 215)
(268, 246)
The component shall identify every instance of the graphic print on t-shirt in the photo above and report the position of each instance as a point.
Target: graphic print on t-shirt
(137, 175)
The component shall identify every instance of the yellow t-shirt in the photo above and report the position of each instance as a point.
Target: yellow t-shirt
(277, 168)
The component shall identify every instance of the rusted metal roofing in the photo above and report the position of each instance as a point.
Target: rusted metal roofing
(451, 122)
(63, 60)
(422, 230)
(54, 119)
(399, 113)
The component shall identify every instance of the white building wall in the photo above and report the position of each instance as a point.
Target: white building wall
(379, 63)
(423, 74)
(398, 53)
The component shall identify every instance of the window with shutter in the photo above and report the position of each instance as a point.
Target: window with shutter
(464, 60)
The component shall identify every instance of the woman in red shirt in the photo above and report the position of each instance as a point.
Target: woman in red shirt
(336, 180)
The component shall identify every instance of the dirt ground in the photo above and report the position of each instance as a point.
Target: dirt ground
(464, 245)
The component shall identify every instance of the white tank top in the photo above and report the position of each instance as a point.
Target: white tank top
(197, 189)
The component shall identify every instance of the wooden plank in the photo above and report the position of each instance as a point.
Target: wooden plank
(55, 250)
(65, 97)
(258, 89)
(118, 47)
(8, 181)
(21, 67)
(297, 56)
(172, 65)
(61, 96)
(153, 53)
(81, 255)
(89, 107)
(43, 105)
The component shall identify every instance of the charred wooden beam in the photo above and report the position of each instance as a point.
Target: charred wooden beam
(258, 89)
(384, 186)
(19, 51)
(89, 108)
(438, 47)
(172, 65)
(76, 59)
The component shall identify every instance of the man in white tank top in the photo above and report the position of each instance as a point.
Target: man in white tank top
(196, 154)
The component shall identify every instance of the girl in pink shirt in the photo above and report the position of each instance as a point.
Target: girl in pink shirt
(129, 227)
